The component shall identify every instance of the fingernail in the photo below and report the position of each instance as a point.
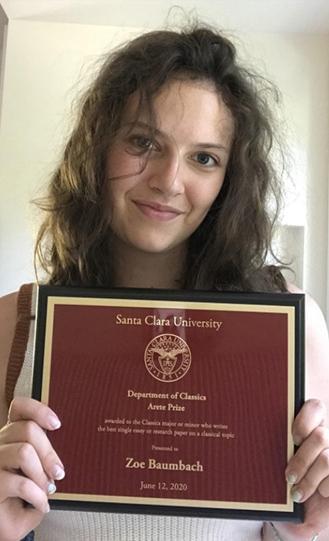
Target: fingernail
(54, 421)
(46, 508)
(297, 496)
(58, 472)
(297, 440)
(291, 478)
(51, 488)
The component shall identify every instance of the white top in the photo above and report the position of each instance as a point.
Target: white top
(85, 526)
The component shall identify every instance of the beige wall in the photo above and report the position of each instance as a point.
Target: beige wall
(47, 63)
(3, 40)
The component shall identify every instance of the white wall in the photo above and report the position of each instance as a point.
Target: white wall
(299, 64)
(45, 66)
(46, 63)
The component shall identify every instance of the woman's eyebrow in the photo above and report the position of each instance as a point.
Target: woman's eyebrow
(141, 124)
(211, 145)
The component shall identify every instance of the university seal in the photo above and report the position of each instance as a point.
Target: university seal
(167, 357)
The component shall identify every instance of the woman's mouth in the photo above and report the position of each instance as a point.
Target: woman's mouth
(157, 211)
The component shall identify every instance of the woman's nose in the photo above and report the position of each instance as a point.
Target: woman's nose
(166, 174)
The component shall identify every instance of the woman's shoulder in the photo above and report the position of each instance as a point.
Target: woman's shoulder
(9, 300)
(313, 313)
(8, 311)
(316, 349)
(314, 318)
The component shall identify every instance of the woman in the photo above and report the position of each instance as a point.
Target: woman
(164, 183)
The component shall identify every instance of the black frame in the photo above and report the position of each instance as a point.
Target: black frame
(276, 299)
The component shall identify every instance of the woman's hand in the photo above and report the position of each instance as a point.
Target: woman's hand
(308, 472)
(28, 467)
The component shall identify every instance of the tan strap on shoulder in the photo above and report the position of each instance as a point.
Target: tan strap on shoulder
(21, 336)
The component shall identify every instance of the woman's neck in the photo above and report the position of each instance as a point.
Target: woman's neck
(134, 268)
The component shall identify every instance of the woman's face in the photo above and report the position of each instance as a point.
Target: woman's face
(162, 185)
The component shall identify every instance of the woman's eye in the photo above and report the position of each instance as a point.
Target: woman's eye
(142, 142)
(205, 159)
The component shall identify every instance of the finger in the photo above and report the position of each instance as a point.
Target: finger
(318, 473)
(22, 408)
(31, 433)
(23, 457)
(323, 488)
(306, 454)
(312, 414)
(17, 486)
(17, 519)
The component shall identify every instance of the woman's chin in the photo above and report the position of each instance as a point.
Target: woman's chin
(156, 247)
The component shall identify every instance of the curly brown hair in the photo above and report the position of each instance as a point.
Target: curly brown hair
(230, 248)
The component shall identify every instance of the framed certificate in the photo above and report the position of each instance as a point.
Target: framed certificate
(172, 402)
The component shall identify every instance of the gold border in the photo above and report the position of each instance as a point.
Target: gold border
(147, 303)
(213, 504)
